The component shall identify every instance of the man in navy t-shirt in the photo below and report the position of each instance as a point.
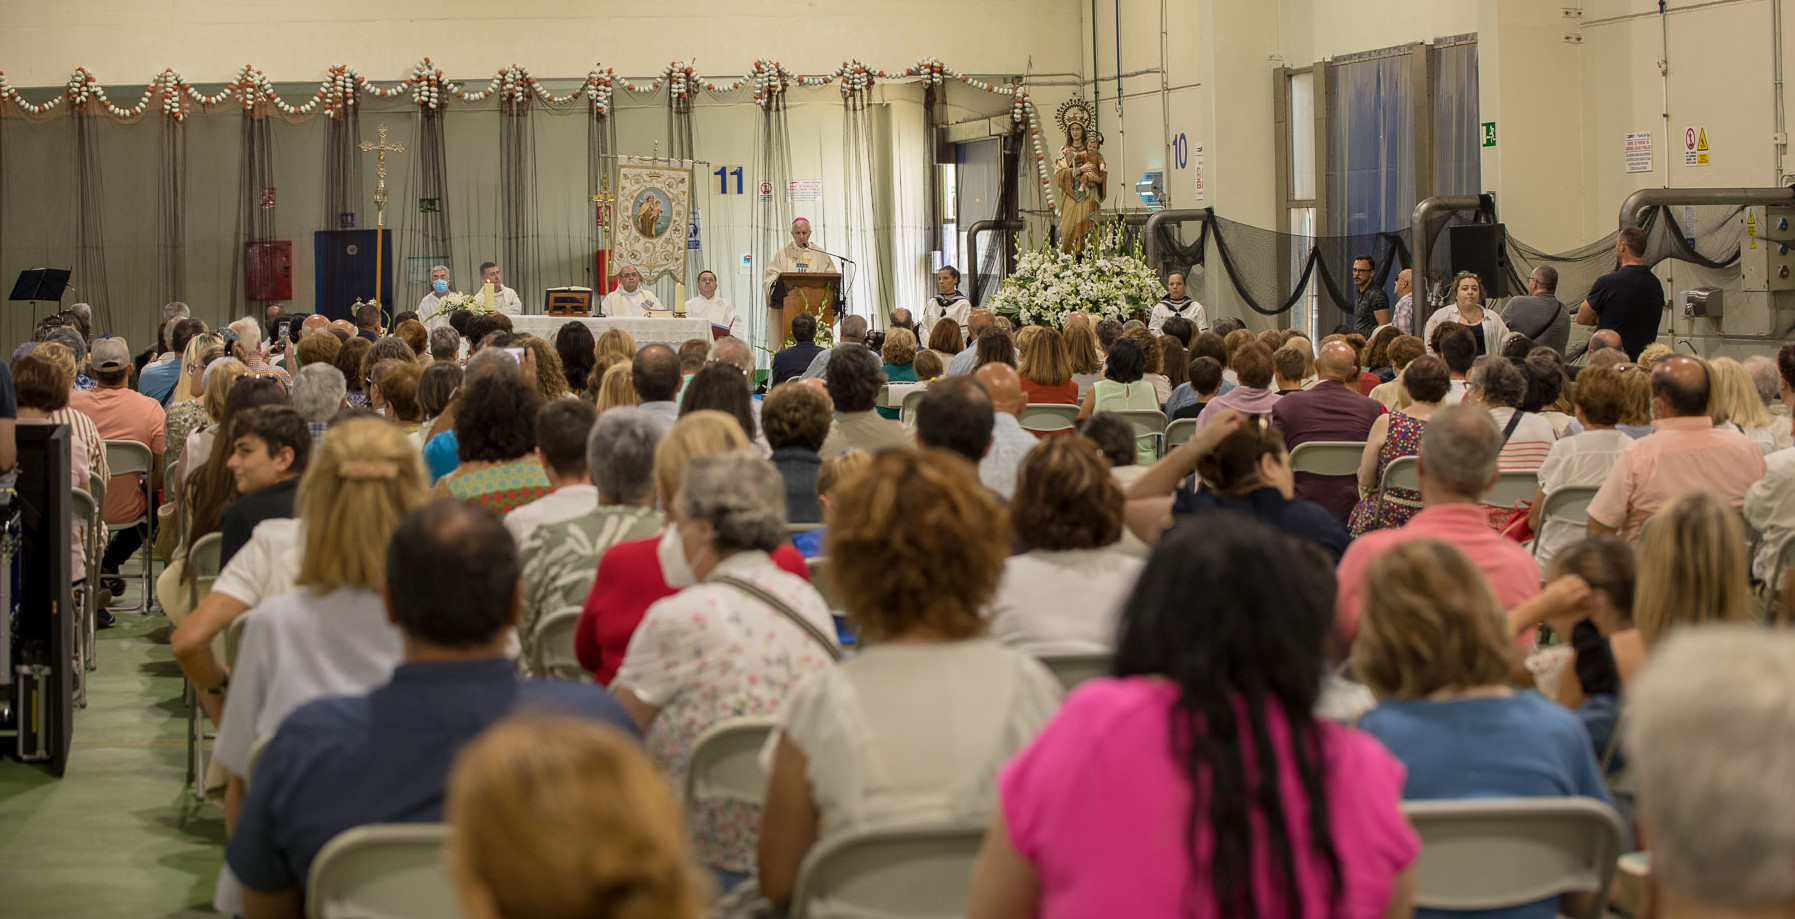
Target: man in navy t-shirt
(338, 763)
(1630, 299)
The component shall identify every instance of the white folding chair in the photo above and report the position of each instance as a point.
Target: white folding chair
(1147, 422)
(1049, 418)
(1403, 472)
(918, 872)
(1511, 488)
(1177, 432)
(1495, 853)
(907, 411)
(1073, 669)
(84, 514)
(551, 647)
(725, 763)
(382, 871)
(205, 559)
(1327, 457)
(128, 457)
(1569, 504)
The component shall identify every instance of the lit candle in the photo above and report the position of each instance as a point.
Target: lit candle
(679, 298)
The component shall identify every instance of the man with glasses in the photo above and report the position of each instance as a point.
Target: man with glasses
(1373, 307)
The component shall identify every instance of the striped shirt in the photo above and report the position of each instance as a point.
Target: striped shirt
(1527, 447)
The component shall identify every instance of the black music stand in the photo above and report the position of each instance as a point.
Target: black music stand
(41, 284)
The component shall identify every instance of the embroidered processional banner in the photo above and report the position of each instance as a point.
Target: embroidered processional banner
(648, 224)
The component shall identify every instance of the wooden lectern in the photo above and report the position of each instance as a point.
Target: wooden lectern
(797, 292)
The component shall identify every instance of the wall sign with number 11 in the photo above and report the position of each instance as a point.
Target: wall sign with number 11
(723, 174)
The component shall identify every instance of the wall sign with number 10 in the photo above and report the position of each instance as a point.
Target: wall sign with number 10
(723, 174)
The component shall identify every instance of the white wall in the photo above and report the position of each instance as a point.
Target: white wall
(128, 41)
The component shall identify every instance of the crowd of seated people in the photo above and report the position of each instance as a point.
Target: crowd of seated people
(401, 514)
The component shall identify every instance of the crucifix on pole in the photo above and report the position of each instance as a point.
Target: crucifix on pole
(382, 149)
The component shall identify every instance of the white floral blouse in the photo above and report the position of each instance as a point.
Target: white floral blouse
(711, 653)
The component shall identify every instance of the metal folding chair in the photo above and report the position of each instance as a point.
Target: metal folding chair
(1496, 853)
(128, 457)
(1328, 457)
(551, 652)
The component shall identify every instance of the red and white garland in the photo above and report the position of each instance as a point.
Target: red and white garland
(340, 92)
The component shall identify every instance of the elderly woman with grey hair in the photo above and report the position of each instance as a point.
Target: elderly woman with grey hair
(1497, 384)
(736, 640)
(560, 560)
(1711, 738)
(445, 344)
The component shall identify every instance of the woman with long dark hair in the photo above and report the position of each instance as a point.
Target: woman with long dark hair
(1205, 738)
(578, 351)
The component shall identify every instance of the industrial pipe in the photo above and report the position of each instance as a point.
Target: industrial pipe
(1638, 201)
(1421, 242)
(1151, 231)
(972, 250)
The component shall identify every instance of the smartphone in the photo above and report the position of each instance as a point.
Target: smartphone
(282, 328)
(517, 354)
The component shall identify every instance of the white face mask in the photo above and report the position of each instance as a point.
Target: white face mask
(671, 553)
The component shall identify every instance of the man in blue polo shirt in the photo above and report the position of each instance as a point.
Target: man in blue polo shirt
(335, 764)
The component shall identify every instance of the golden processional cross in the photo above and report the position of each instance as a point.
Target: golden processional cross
(382, 149)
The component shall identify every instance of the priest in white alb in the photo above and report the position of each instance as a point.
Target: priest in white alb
(504, 299)
(798, 257)
(707, 305)
(630, 298)
(430, 308)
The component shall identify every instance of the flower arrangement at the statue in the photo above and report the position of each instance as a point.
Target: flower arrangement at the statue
(1109, 279)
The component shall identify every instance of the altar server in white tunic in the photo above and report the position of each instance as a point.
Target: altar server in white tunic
(948, 303)
(630, 298)
(799, 257)
(1176, 303)
(707, 305)
(504, 299)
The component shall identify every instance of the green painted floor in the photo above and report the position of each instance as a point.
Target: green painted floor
(117, 837)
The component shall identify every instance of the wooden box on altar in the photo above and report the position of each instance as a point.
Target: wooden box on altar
(567, 301)
(797, 292)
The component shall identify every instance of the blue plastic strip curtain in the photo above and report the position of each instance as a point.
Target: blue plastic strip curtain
(1458, 135)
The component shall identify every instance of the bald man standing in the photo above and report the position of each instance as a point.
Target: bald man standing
(1010, 441)
(1331, 410)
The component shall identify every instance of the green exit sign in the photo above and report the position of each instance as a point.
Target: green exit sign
(1489, 133)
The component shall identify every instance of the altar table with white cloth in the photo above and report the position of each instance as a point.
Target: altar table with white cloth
(644, 329)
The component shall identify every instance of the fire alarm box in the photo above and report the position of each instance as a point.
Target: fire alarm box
(269, 270)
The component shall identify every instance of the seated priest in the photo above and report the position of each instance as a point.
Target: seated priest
(707, 305)
(504, 299)
(630, 298)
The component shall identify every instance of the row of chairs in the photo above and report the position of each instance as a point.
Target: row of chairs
(1488, 853)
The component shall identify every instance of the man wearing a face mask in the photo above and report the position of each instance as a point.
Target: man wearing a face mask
(430, 308)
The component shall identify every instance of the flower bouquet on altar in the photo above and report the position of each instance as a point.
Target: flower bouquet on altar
(1108, 280)
(458, 302)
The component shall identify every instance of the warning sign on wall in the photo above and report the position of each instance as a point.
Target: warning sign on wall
(1695, 146)
(1639, 151)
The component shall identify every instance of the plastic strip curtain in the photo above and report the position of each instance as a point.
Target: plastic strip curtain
(420, 207)
(255, 201)
(772, 214)
(342, 172)
(1458, 152)
(90, 198)
(517, 196)
(171, 212)
(861, 240)
(1371, 183)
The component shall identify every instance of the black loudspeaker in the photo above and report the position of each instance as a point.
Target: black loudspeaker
(1478, 248)
(36, 542)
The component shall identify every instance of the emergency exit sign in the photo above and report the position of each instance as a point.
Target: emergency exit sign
(1489, 133)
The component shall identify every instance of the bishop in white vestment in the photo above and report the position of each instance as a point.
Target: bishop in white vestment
(798, 257)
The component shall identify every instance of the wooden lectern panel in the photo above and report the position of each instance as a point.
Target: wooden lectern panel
(798, 292)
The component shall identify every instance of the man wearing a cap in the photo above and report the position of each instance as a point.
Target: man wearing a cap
(121, 414)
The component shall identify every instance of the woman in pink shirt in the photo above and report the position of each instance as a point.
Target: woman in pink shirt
(1151, 793)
